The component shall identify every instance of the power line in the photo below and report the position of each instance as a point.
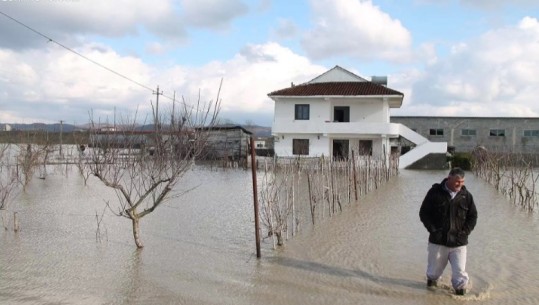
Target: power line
(75, 52)
(97, 63)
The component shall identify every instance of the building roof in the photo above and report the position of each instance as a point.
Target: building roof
(464, 117)
(364, 88)
(337, 74)
(226, 127)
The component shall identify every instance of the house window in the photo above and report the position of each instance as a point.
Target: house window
(301, 112)
(341, 114)
(531, 133)
(497, 133)
(468, 132)
(436, 131)
(300, 146)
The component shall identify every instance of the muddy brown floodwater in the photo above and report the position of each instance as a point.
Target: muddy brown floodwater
(200, 249)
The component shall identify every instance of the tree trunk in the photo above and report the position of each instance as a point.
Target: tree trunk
(136, 232)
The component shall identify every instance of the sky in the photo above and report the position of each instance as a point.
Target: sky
(76, 60)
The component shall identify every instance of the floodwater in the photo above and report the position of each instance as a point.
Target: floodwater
(200, 249)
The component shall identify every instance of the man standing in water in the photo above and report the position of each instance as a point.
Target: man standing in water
(449, 214)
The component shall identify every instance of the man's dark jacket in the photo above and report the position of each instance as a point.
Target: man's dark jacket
(449, 221)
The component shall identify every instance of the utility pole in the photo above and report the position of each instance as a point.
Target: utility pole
(156, 112)
(61, 131)
(255, 198)
(157, 121)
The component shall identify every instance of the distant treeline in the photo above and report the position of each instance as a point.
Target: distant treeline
(44, 137)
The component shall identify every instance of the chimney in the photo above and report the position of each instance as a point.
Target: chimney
(379, 80)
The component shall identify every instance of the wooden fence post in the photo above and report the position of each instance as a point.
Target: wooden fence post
(255, 199)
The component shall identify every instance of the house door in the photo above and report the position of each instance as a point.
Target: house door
(365, 148)
(341, 114)
(340, 149)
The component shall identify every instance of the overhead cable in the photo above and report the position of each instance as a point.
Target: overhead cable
(77, 53)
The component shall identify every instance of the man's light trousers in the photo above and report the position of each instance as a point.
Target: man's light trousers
(438, 256)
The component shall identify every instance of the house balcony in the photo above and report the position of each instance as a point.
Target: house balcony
(349, 129)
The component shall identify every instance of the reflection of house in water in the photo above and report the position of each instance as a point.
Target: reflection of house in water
(227, 142)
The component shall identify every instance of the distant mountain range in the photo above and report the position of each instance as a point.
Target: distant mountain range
(258, 131)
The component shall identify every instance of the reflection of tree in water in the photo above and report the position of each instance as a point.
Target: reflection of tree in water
(132, 282)
(10, 183)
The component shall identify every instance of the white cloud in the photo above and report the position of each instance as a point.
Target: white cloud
(247, 78)
(264, 5)
(493, 75)
(61, 20)
(215, 14)
(64, 20)
(488, 5)
(286, 29)
(499, 4)
(155, 48)
(51, 85)
(358, 29)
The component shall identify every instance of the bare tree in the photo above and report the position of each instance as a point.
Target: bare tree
(143, 167)
(512, 174)
(275, 201)
(28, 161)
(33, 151)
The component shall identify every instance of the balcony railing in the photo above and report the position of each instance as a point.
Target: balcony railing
(334, 128)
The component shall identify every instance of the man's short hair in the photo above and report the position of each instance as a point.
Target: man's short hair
(457, 171)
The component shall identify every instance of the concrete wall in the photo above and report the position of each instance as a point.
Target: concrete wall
(514, 139)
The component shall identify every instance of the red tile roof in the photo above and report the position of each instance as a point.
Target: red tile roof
(336, 89)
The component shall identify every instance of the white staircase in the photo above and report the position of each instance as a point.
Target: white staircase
(422, 148)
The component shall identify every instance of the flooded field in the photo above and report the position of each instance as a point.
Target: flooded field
(200, 249)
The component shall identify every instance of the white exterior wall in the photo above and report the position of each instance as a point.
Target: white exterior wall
(369, 120)
(377, 145)
(317, 147)
(319, 110)
(363, 111)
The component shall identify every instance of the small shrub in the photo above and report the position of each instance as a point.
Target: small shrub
(462, 160)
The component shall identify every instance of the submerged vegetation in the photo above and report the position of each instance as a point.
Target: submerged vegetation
(297, 192)
(142, 176)
(513, 175)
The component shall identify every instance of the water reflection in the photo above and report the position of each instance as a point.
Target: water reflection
(200, 249)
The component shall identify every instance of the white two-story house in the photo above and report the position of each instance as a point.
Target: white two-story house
(339, 112)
